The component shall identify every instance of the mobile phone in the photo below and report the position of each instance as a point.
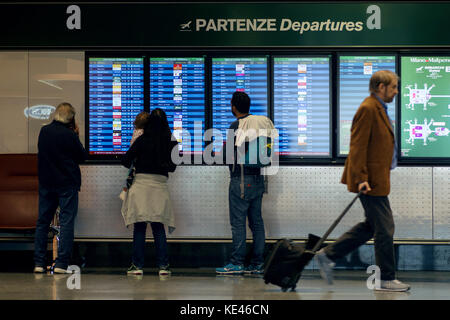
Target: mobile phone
(71, 124)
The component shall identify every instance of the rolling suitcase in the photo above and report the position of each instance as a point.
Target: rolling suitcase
(286, 262)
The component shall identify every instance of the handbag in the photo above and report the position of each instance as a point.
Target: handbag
(130, 179)
(131, 176)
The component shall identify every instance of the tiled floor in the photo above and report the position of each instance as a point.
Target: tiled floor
(198, 284)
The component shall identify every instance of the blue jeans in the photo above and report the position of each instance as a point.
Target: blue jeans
(159, 235)
(240, 209)
(67, 199)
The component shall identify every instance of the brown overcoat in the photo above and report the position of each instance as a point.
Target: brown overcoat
(371, 149)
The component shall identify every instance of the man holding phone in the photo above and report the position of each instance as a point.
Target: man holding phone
(59, 154)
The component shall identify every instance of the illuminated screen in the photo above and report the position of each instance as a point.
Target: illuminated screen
(237, 74)
(302, 105)
(354, 75)
(116, 96)
(177, 85)
(425, 107)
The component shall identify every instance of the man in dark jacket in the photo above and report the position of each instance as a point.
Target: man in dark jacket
(59, 154)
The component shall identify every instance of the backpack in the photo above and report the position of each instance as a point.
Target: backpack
(254, 143)
(257, 153)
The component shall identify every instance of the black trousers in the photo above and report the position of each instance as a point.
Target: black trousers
(379, 224)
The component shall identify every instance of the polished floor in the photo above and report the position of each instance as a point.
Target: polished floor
(198, 284)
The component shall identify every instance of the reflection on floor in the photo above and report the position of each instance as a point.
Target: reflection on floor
(203, 284)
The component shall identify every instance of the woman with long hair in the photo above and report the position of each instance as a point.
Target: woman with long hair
(148, 199)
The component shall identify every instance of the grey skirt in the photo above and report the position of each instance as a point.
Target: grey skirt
(148, 200)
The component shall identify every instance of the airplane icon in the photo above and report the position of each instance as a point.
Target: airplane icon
(185, 25)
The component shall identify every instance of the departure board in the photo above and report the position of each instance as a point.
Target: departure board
(302, 105)
(237, 74)
(354, 75)
(177, 85)
(116, 96)
(425, 106)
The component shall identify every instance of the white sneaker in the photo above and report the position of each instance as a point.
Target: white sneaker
(326, 266)
(393, 285)
(59, 270)
(39, 270)
(133, 270)
(164, 271)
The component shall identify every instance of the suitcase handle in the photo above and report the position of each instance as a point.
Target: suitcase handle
(335, 223)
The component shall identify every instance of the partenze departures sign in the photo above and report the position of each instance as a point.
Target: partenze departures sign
(141, 25)
(258, 25)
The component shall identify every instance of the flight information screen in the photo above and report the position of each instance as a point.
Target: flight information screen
(354, 75)
(425, 107)
(237, 74)
(177, 85)
(302, 105)
(116, 96)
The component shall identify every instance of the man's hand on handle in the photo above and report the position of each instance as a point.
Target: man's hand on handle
(364, 186)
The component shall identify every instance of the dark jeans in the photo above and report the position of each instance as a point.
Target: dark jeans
(379, 224)
(67, 199)
(159, 235)
(240, 209)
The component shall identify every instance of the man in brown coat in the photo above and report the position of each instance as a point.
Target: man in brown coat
(372, 155)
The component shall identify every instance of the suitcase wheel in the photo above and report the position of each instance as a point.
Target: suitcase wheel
(266, 281)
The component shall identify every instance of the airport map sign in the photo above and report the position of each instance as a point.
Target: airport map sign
(425, 106)
(275, 24)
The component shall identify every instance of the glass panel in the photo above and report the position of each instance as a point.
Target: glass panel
(55, 77)
(13, 102)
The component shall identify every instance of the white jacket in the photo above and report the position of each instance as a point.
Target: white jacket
(254, 126)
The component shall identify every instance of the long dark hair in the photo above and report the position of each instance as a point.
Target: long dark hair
(158, 136)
